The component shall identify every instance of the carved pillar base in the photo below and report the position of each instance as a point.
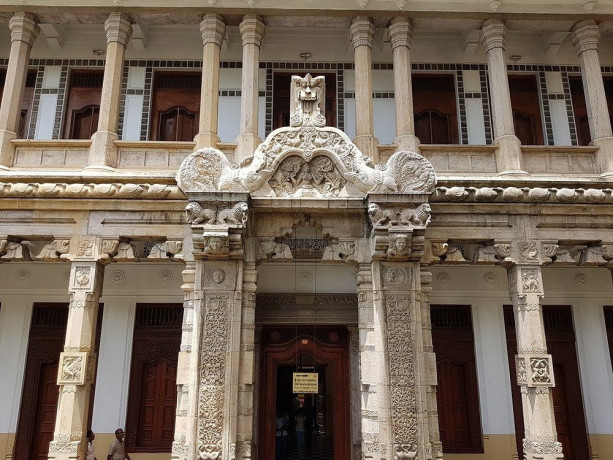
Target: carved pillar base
(103, 151)
(508, 155)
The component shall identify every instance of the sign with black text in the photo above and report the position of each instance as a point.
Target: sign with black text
(306, 382)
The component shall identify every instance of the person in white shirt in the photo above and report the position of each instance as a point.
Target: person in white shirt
(117, 450)
(90, 446)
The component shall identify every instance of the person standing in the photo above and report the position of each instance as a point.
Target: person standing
(117, 450)
(281, 425)
(90, 446)
(299, 426)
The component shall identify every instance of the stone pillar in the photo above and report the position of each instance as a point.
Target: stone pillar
(362, 32)
(252, 33)
(184, 444)
(401, 36)
(78, 360)
(246, 369)
(212, 28)
(585, 36)
(508, 155)
(219, 278)
(398, 360)
(24, 31)
(533, 363)
(103, 152)
(371, 338)
(428, 378)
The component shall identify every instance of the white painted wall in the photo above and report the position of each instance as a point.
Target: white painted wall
(475, 122)
(559, 122)
(350, 127)
(306, 278)
(229, 117)
(15, 315)
(382, 80)
(384, 111)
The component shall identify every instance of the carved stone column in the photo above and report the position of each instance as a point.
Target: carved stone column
(103, 152)
(508, 155)
(246, 370)
(362, 31)
(184, 444)
(78, 360)
(212, 28)
(534, 365)
(401, 36)
(397, 241)
(585, 36)
(428, 378)
(252, 33)
(24, 31)
(219, 277)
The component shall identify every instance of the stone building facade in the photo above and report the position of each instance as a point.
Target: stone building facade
(408, 202)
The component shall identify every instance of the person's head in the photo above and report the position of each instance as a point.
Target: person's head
(90, 435)
(119, 434)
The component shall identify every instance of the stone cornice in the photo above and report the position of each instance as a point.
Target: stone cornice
(118, 28)
(23, 28)
(362, 31)
(252, 30)
(401, 32)
(212, 29)
(585, 36)
(493, 34)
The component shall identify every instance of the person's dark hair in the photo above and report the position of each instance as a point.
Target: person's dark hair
(118, 430)
(89, 434)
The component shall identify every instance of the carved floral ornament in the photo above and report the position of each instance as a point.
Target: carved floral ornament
(306, 159)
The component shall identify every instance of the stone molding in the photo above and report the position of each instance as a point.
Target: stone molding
(118, 28)
(585, 36)
(89, 190)
(212, 29)
(493, 34)
(252, 30)
(23, 28)
(401, 32)
(362, 31)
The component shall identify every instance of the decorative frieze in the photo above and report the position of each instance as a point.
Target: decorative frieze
(512, 194)
(89, 191)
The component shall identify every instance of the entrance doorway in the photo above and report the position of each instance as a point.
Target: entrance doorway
(304, 394)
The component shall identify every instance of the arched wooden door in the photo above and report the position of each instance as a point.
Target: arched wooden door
(329, 347)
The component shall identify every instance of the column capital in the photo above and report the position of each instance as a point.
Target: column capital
(252, 30)
(118, 27)
(362, 31)
(493, 34)
(212, 29)
(401, 32)
(23, 28)
(585, 36)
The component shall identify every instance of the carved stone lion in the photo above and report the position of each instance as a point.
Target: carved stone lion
(419, 216)
(380, 216)
(236, 215)
(196, 214)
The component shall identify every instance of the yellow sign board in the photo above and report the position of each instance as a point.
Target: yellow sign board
(305, 382)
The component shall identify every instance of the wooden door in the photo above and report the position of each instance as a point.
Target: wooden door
(567, 398)
(457, 393)
(83, 104)
(26, 101)
(582, 125)
(40, 392)
(46, 409)
(434, 107)
(175, 106)
(152, 396)
(281, 97)
(328, 345)
(158, 401)
(526, 106)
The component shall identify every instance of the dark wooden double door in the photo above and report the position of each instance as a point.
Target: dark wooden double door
(40, 394)
(320, 349)
(567, 399)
